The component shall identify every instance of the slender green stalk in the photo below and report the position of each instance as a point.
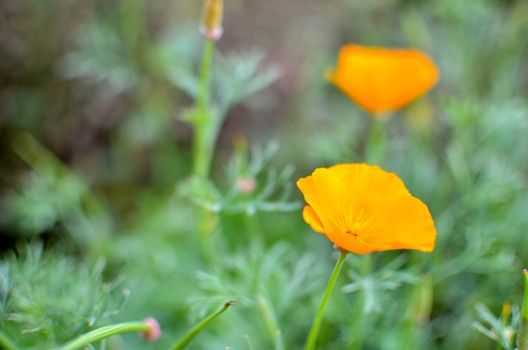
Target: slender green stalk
(271, 323)
(205, 74)
(419, 306)
(6, 343)
(522, 336)
(204, 121)
(316, 325)
(104, 332)
(279, 342)
(377, 143)
(187, 338)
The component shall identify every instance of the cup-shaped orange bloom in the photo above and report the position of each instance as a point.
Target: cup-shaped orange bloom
(363, 209)
(382, 80)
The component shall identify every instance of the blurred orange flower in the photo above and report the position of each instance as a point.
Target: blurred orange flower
(363, 209)
(382, 80)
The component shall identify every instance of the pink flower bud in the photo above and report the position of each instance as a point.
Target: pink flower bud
(246, 184)
(154, 332)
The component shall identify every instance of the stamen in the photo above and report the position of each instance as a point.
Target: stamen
(356, 223)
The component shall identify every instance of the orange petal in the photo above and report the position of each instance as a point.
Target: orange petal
(369, 187)
(311, 218)
(323, 191)
(407, 225)
(382, 80)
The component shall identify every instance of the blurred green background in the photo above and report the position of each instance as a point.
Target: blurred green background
(100, 223)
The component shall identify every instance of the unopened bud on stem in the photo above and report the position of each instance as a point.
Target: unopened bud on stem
(154, 331)
(213, 12)
(246, 184)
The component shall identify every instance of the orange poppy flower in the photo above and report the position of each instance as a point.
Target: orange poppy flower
(382, 80)
(362, 209)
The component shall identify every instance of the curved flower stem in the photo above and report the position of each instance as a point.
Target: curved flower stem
(522, 337)
(104, 332)
(316, 325)
(6, 343)
(187, 338)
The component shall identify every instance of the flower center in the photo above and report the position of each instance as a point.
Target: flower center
(356, 222)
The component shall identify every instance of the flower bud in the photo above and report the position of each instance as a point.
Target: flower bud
(154, 332)
(212, 14)
(506, 311)
(246, 184)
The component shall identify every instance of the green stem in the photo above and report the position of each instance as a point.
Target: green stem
(204, 123)
(6, 343)
(376, 152)
(316, 325)
(205, 74)
(187, 338)
(522, 336)
(270, 321)
(104, 332)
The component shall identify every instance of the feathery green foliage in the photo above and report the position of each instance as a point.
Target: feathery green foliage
(96, 163)
(48, 299)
